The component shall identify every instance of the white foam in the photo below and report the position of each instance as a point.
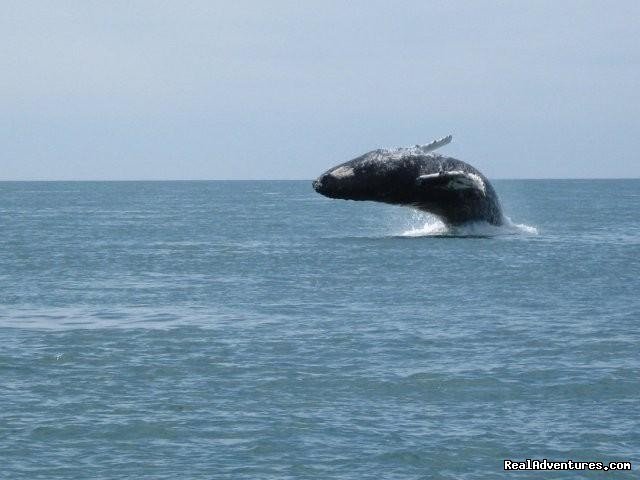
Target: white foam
(424, 225)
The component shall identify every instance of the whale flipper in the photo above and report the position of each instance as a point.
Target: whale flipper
(430, 147)
(453, 180)
(386, 154)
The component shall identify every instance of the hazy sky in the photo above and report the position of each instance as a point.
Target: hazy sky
(284, 89)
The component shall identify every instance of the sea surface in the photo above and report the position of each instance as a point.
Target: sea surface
(231, 330)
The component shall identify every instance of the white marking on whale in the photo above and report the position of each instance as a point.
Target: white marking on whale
(459, 180)
(342, 172)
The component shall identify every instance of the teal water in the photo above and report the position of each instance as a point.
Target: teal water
(258, 330)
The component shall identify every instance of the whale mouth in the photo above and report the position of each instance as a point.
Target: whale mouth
(327, 186)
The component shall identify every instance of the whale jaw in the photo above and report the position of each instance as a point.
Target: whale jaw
(333, 186)
(321, 187)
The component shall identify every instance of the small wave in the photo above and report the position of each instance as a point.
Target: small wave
(422, 225)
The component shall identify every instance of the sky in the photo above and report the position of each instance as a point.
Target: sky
(159, 90)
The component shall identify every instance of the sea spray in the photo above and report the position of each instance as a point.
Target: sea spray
(421, 224)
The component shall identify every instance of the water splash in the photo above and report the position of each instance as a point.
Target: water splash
(425, 225)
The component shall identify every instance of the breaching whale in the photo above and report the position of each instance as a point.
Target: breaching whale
(417, 177)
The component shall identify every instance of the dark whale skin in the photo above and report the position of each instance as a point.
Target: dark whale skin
(449, 188)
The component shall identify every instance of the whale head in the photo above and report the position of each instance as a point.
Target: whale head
(369, 179)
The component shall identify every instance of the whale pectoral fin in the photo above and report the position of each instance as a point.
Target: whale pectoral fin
(453, 180)
(430, 147)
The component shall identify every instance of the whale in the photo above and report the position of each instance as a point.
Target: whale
(417, 177)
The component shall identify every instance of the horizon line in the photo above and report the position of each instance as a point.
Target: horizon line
(272, 179)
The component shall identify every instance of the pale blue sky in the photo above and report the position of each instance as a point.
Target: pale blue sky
(284, 89)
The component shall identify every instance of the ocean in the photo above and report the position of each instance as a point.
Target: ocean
(225, 330)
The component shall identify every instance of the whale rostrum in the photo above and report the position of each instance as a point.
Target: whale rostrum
(417, 177)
